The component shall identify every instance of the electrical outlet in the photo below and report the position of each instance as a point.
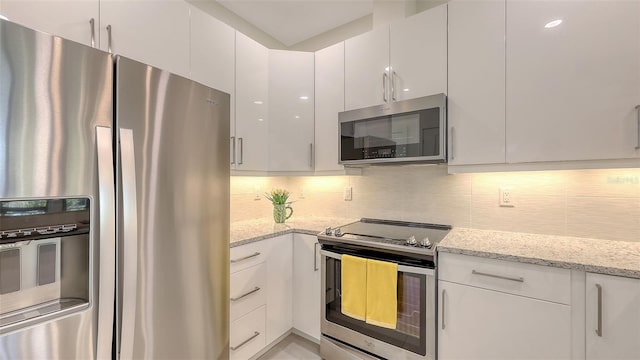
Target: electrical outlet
(256, 191)
(506, 199)
(301, 196)
(348, 193)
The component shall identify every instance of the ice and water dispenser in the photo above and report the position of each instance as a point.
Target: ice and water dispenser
(44, 259)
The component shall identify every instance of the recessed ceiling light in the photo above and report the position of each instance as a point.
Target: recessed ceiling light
(297, 116)
(304, 98)
(261, 119)
(405, 90)
(553, 23)
(258, 102)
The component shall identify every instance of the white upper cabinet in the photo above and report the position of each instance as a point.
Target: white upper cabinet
(612, 317)
(252, 105)
(366, 60)
(212, 51)
(418, 56)
(67, 19)
(291, 110)
(572, 89)
(329, 88)
(152, 32)
(406, 60)
(476, 98)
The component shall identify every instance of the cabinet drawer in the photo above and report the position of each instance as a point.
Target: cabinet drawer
(535, 281)
(242, 257)
(247, 335)
(247, 290)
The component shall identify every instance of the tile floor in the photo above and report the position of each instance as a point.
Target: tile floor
(293, 347)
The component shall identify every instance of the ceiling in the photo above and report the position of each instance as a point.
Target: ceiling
(293, 21)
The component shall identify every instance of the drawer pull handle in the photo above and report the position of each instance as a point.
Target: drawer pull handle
(245, 258)
(255, 335)
(518, 279)
(245, 294)
(599, 329)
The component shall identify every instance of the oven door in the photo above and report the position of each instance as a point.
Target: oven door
(414, 336)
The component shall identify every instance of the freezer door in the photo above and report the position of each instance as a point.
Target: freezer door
(56, 109)
(174, 133)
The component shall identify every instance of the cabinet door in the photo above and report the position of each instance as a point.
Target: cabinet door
(572, 89)
(67, 19)
(212, 60)
(152, 32)
(279, 286)
(616, 301)
(291, 99)
(252, 108)
(366, 62)
(418, 55)
(476, 100)
(329, 86)
(306, 285)
(475, 323)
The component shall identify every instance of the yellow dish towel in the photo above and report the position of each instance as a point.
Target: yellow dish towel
(382, 298)
(354, 286)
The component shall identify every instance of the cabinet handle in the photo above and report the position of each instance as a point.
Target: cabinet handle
(92, 23)
(518, 279)
(233, 152)
(245, 294)
(638, 111)
(444, 292)
(453, 142)
(255, 334)
(384, 87)
(315, 257)
(245, 258)
(311, 155)
(393, 86)
(599, 329)
(241, 141)
(109, 39)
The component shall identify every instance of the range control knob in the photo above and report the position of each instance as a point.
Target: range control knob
(327, 231)
(337, 232)
(411, 241)
(425, 242)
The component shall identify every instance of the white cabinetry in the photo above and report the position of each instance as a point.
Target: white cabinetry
(152, 32)
(329, 91)
(411, 55)
(612, 317)
(476, 98)
(572, 89)
(306, 285)
(252, 107)
(67, 19)
(291, 110)
(279, 286)
(491, 309)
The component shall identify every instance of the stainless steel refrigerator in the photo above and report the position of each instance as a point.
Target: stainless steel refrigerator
(114, 206)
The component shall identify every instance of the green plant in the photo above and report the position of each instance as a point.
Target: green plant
(278, 196)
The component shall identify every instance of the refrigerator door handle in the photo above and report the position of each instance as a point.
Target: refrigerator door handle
(129, 243)
(106, 242)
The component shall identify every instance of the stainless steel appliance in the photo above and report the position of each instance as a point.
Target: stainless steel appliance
(412, 247)
(114, 189)
(404, 131)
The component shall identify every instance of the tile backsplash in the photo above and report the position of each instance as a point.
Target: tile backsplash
(588, 203)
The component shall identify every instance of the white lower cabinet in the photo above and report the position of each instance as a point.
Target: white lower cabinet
(247, 335)
(491, 309)
(306, 285)
(612, 317)
(279, 286)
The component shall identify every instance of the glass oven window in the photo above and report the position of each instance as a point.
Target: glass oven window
(410, 333)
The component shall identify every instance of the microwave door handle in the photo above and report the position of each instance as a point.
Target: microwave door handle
(106, 241)
(393, 85)
(384, 87)
(129, 242)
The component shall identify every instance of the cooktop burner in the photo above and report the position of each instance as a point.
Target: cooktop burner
(388, 234)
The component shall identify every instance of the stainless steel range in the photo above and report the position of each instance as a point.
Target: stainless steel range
(412, 247)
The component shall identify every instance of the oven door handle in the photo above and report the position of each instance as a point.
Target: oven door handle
(401, 268)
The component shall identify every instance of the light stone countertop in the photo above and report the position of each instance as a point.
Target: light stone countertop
(593, 255)
(248, 231)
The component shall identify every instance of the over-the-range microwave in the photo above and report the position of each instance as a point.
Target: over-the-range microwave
(407, 131)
